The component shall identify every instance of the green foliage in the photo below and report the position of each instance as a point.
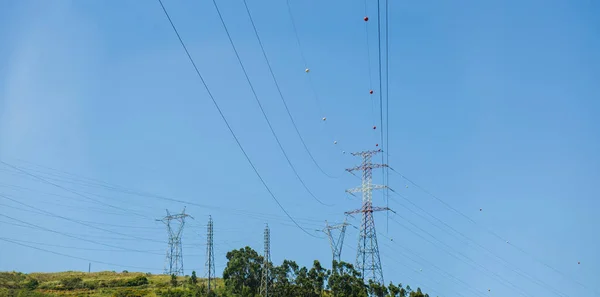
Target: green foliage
(130, 292)
(173, 280)
(243, 271)
(241, 278)
(71, 283)
(31, 284)
(345, 281)
(193, 279)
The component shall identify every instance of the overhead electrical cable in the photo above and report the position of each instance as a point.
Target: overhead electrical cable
(505, 263)
(69, 190)
(228, 125)
(71, 236)
(453, 253)
(309, 77)
(491, 232)
(78, 221)
(74, 257)
(239, 59)
(281, 95)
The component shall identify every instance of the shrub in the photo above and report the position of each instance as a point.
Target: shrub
(71, 283)
(129, 292)
(31, 284)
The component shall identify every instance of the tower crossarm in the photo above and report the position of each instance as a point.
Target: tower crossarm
(360, 189)
(363, 153)
(366, 166)
(370, 209)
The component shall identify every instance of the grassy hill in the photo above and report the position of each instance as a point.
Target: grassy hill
(98, 284)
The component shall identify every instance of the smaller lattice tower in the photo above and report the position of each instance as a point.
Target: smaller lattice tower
(336, 242)
(210, 254)
(266, 273)
(174, 223)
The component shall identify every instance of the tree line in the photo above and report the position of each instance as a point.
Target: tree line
(243, 273)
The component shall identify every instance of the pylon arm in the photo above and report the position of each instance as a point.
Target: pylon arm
(372, 209)
(366, 166)
(360, 189)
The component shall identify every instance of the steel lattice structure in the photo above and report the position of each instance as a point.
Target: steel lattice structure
(368, 261)
(174, 260)
(210, 253)
(336, 243)
(266, 273)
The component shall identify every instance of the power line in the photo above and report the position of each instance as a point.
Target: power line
(74, 257)
(261, 107)
(454, 253)
(281, 94)
(72, 236)
(489, 231)
(77, 221)
(504, 262)
(227, 122)
(309, 77)
(67, 189)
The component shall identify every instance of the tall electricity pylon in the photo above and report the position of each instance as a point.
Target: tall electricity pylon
(266, 274)
(174, 261)
(368, 261)
(210, 253)
(336, 243)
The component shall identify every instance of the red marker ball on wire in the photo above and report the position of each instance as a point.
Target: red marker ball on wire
(371, 92)
(374, 127)
(366, 19)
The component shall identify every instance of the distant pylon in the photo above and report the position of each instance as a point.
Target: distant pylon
(174, 260)
(368, 261)
(266, 274)
(336, 243)
(210, 254)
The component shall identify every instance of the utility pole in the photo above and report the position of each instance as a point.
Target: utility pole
(266, 275)
(368, 261)
(336, 243)
(174, 260)
(210, 254)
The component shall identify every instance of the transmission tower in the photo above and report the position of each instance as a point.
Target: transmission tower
(368, 261)
(266, 274)
(336, 243)
(210, 254)
(174, 261)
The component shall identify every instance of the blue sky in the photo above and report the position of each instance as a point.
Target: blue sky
(492, 105)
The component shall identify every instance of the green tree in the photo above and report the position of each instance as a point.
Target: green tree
(376, 289)
(243, 272)
(173, 280)
(193, 279)
(394, 290)
(345, 281)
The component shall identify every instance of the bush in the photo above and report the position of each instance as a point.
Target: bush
(129, 292)
(71, 283)
(31, 284)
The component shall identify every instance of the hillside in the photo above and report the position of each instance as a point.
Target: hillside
(98, 284)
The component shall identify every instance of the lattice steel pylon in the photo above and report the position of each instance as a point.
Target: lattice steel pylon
(336, 243)
(174, 260)
(210, 254)
(368, 261)
(266, 269)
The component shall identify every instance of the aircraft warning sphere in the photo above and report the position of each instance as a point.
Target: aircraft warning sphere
(374, 127)
(366, 19)
(324, 118)
(307, 70)
(334, 142)
(371, 92)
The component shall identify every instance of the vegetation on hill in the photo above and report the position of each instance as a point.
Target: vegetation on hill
(241, 277)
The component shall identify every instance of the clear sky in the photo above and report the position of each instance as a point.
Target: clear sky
(493, 105)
